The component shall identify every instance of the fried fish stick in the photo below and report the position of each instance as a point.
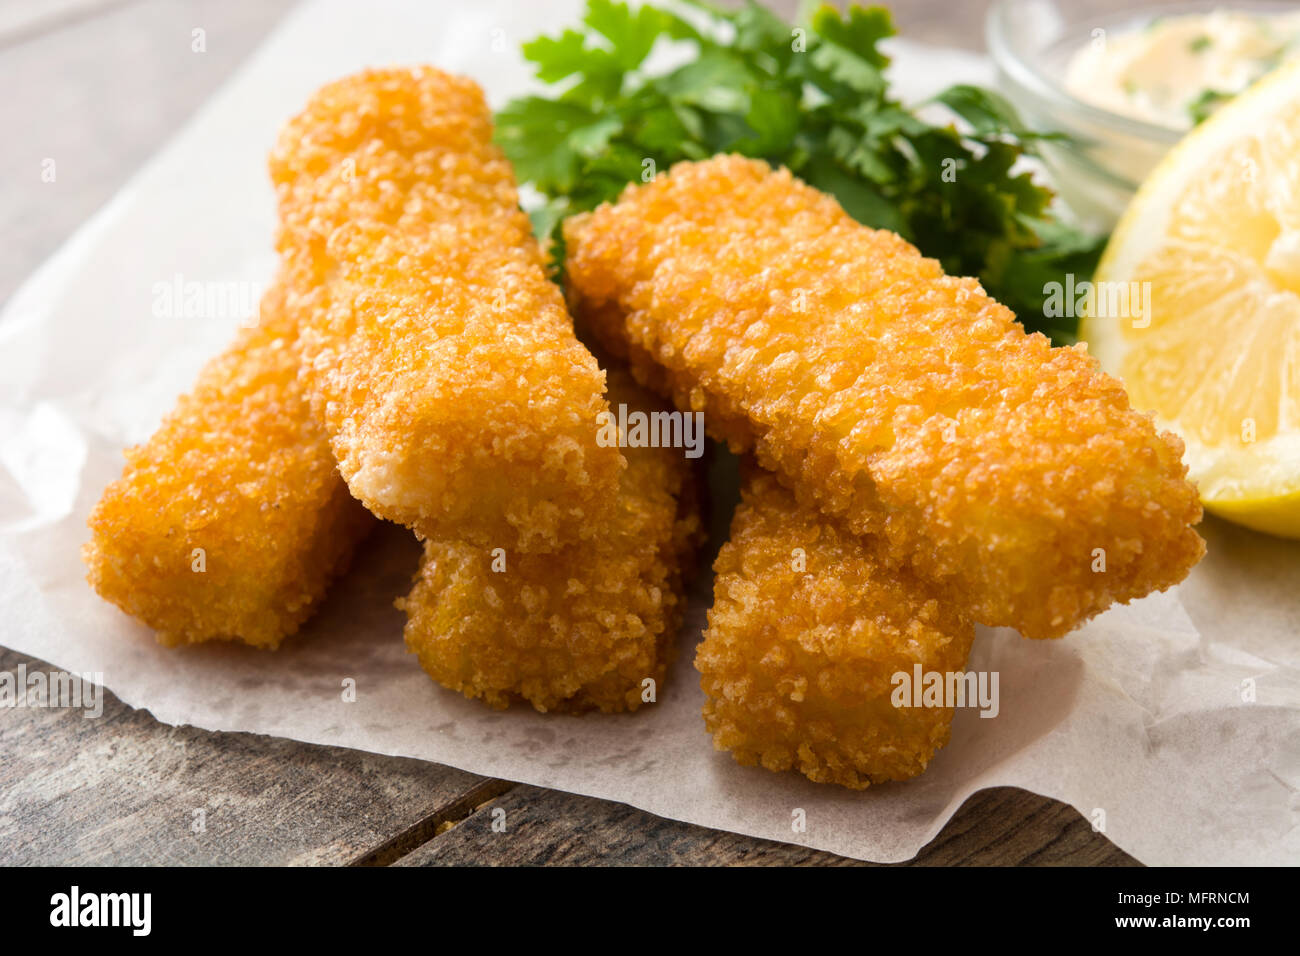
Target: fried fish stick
(579, 629)
(232, 520)
(808, 629)
(1013, 474)
(437, 354)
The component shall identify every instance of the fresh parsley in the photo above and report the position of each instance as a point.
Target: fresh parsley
(811, 97)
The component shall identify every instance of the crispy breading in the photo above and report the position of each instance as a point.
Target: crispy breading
(578, 629)
(231, 521)
(438, 355)
(1014, 474)
(808, 628)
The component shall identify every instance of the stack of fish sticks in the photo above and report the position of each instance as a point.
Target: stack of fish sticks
(931, 465)
(413, 359)
(914, 462)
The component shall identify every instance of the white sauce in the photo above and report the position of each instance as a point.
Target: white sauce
(1174, 71)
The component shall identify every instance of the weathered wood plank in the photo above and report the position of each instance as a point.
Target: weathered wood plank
(124, 789)
(21, 20)
(98, 97)
(1003, 826)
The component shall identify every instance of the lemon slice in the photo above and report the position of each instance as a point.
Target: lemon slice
(1196, 304)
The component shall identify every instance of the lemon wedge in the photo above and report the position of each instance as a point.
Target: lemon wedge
(1196, 304)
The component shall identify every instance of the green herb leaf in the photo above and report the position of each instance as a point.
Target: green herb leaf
(630, 34)
(560, 57)
(990, 114)
(1203, 107)
(812, 97)
(847, 51)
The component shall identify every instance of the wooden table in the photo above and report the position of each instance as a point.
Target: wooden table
(99, 85)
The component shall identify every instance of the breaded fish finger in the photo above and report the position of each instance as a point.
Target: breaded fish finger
(437, 353)
(808, 628)
(231, 521)
(1014, 474)
(578, 629)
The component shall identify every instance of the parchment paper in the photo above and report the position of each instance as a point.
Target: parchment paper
(1139, 715)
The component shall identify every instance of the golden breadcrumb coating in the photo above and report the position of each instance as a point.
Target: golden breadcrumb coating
(578, 629)
(879, 389)
(231, 521)
(438, 355)
(808, 628)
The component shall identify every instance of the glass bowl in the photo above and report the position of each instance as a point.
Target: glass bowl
(1108, 155)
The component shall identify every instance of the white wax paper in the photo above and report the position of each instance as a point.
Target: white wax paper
(1139, 716)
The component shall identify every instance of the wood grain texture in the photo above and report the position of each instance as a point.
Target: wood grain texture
(1003, 826)
(21, 20)
(104, 84)
(124, 789)
(99, 95)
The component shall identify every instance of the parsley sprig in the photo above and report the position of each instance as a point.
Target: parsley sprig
(813, 98)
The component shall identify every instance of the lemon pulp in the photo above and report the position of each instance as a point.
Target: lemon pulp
(1208, 255)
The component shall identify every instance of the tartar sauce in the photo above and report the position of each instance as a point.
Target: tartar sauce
(1176, 70)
